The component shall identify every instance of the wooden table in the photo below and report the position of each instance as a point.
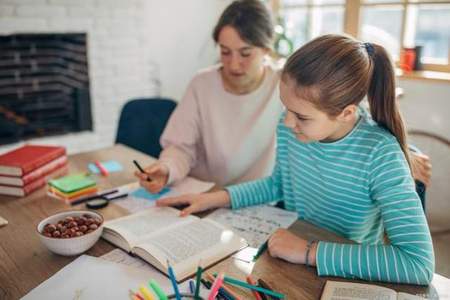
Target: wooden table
(25, 262)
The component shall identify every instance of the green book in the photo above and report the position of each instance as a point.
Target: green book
(72, 183)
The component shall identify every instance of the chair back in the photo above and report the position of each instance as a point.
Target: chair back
(142, 122)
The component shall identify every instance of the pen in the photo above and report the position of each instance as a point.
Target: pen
(174, 281)
(140, 169)
(261, 249)
(158, 290)
(252, 282)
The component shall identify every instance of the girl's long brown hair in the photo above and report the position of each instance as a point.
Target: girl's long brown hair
(334, 71)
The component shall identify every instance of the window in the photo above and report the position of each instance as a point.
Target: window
(395, 24)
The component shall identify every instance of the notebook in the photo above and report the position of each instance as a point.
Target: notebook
(72, 183)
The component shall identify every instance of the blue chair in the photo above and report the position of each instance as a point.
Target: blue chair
(142, 122)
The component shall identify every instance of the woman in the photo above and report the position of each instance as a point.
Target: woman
(223, 130)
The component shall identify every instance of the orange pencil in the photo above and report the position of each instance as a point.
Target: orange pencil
(253, 282)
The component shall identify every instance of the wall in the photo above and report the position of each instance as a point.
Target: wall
(136, 48)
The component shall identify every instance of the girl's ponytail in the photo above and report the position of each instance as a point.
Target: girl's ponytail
(381, 95)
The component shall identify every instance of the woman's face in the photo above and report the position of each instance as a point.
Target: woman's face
(242, 63)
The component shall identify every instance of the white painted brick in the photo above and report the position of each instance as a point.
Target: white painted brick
(88, 12)
(71, 2)
(20, 25)
(18, 2)
(6, 10)
(70, 24)
(40, 11)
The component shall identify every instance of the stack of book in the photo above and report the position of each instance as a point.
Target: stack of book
(28, 168)
(72, 187)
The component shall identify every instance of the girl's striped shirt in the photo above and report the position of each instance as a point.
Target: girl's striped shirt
(359, 187)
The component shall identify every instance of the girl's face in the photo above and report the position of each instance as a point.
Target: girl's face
(310, 124)
(242, 63)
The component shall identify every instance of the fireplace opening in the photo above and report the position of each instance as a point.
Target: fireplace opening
(44, 86)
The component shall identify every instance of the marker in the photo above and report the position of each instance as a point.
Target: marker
(140, 169)
(224, 290)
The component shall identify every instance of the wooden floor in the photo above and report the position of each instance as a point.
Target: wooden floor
(441, 242)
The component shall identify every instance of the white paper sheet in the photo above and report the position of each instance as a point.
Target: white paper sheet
(94, 278)
(255, 224)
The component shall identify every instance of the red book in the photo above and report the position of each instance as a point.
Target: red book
(34, 175)
(28, 158)
(25, 190)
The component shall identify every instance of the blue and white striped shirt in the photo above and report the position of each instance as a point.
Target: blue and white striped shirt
(359, 187)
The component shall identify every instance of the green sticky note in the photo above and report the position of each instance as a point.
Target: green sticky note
(72, 183)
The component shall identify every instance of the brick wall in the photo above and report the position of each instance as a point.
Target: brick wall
(120, 66)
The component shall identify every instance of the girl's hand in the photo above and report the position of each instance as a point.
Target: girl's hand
(197, 203)
(158, 174)
(421, 167)
(286, 245)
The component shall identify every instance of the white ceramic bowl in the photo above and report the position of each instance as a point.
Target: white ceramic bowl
(73, 245)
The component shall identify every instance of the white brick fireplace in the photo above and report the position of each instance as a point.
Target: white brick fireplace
(136, 48)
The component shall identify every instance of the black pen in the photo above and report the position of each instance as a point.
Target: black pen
(264, 284)
(141, 170)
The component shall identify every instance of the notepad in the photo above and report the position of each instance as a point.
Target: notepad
(72, 183)
(110, 166)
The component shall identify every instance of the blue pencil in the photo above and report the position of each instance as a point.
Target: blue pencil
(174, 281)
(192, 286)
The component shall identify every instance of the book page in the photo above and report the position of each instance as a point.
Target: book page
(405, 296)
(255, 224)
(336, 290)
(136, 227)
(182, 242)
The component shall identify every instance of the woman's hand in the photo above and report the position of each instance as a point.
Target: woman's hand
(197, 203)
(421, 167)
(286, 245)
(158, 174)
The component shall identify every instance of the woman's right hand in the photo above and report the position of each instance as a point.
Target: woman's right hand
(158, 174)
(197, 203)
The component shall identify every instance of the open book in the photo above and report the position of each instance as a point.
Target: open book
(158, 234)
(337, 290)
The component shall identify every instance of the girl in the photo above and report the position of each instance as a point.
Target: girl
(341, 168)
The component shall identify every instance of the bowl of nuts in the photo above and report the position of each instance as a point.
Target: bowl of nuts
(71, 232)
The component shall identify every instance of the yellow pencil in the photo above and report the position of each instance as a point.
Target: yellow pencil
(146, 293)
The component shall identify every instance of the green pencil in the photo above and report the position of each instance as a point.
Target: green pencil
(261, 249)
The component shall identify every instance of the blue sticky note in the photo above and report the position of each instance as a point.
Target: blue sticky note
(143, 193)
(110, 166)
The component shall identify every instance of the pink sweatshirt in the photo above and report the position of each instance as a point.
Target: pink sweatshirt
(217, 136)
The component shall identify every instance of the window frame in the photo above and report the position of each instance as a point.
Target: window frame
(352, 12)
